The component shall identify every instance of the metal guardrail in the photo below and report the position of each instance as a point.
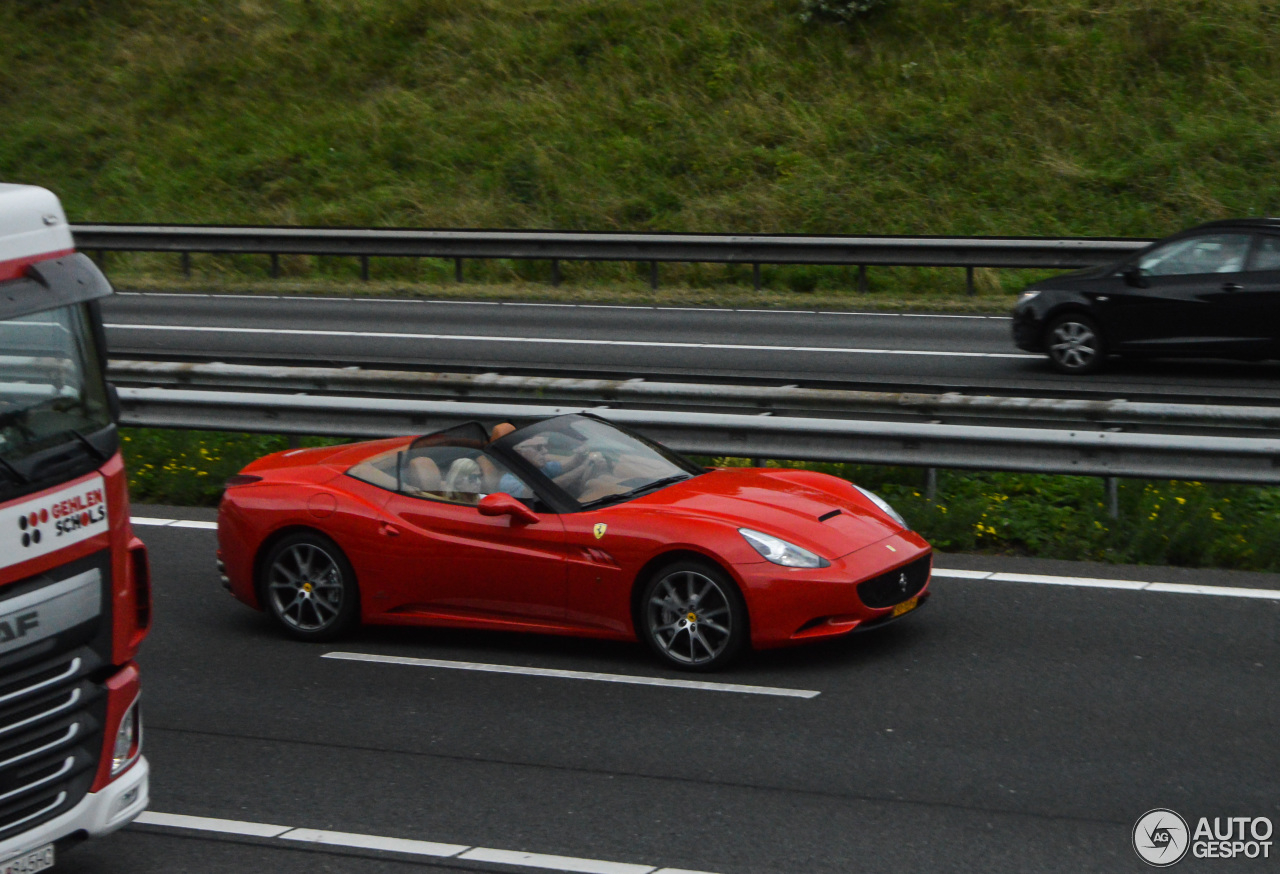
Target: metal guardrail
(946, 408)
(1213, 456)
(556, 246)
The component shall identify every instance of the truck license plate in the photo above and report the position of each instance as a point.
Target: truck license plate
(29, 863)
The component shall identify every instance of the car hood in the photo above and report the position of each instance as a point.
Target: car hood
(784, 503)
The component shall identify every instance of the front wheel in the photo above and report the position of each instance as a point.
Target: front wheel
(309, 587)
(1075, 344)
(693, 617)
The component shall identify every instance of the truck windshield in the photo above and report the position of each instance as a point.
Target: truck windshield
(53, 400)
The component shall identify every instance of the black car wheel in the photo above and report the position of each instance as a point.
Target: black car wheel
(309, 587)
(693, 617)
(1075, 344)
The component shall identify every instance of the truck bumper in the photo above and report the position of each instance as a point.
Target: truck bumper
(99, 813)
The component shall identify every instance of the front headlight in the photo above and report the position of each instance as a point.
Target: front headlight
(883, 505)
(778, 551)
(1029, 294)
(128, 740)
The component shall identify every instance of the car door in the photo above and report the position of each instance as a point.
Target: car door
(1179, 299)
(454, 562)
(1252, 311)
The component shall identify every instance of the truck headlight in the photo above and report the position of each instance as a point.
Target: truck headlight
(128, 740)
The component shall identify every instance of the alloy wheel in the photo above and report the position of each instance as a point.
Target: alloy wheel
(306, 587)
(689, 618)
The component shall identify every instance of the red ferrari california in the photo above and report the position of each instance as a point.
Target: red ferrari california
(571, 525)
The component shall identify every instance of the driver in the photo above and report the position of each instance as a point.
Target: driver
(572, 474)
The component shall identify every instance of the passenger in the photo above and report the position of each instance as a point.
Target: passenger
(464, 481)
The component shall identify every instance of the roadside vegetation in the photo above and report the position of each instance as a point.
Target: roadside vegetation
(1161, 522)
(990, 117)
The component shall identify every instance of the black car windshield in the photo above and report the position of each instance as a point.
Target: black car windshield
(51, 388)
(594, 462)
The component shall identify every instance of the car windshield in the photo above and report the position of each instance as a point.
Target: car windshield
(594, 462)
(51, 389)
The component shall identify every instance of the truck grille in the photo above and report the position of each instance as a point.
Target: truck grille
(897, 585)
(51, 716)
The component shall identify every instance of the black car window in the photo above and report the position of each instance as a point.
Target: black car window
(1203, 253)
(1266, 255)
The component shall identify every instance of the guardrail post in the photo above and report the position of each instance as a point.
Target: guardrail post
(457, 269)
(555, 271)
(931, 483)
(1113, 496)
(968, 282)
(186, 264)
(364, 267)
(755, 275)
(275, 265)
(862, 278)
(653, 275)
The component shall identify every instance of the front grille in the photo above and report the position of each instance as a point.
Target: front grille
(897, 585)
(51, 716)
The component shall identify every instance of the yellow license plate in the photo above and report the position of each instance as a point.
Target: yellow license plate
(905, 607)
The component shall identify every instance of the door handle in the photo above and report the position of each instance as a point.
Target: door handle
(1232, 286)
(388, 530)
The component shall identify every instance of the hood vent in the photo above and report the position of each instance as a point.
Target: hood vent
(825, 516)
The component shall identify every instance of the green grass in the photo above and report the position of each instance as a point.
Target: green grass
(1107, 117)
(1161, 522)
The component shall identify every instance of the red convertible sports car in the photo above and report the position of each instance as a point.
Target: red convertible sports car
(571, 525)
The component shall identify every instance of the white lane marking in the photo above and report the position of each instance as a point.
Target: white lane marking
(955, 574)
(561, 341)
(209, 824)
(554, 863)
(174, 523)
(373, 842)
(515, 858)
(1130, 585)
(579, 306)
(573, 675)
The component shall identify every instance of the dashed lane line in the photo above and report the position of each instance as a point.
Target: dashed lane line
(510, 858)
(573, 675)
(983, 576)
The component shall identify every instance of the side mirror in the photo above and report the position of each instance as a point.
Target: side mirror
(1133, 276)
(502, 504)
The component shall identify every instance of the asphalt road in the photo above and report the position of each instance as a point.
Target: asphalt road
(867, 350)
(1007, 727)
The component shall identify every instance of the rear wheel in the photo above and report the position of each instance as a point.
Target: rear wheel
(1074, 343)
(309, 587)
(693, 617)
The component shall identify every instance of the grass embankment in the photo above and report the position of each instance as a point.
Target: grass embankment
(1164, 522)
(1106, 118)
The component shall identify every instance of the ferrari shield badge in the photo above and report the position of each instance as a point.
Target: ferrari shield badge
(599, 530)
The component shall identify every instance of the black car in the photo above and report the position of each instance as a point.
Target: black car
(1210, 291)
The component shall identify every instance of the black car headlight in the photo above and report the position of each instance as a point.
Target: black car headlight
(1027, 296)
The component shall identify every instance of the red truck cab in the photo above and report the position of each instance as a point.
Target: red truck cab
(75, 597)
